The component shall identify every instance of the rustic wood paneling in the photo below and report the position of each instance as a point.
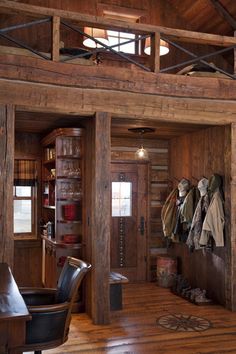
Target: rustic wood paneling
(7, 123)
(28, 263)
(194, 156)
(230, 210)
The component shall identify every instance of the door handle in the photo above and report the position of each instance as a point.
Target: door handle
(141, 227)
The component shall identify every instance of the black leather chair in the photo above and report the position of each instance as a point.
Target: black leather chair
(51, 308)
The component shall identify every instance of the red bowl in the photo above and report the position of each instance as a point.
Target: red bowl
(71, 238)
(70, 212)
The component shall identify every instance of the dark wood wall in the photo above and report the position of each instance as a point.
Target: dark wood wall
(28, 253)
(193, 156)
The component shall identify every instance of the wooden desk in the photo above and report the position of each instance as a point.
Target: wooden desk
(13, 313)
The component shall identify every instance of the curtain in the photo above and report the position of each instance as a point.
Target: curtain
(25, 173)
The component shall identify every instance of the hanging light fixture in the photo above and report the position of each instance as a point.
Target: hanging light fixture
(164, 47)
(96, 33)
(141, 153)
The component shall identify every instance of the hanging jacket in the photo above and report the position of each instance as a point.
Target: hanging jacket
(213, 224)
(184, 214)
(197, 222)
(168, 213)
(188, 207)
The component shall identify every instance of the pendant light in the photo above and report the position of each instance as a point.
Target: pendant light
(164, 47)
(96, 33)
(141, 153)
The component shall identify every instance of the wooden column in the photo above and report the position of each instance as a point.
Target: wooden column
(7, 130)
(55, 38)
(100, 219)
(230, 225)
(235, 56)
(155, 52)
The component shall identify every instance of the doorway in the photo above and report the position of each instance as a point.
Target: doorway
(129, 213)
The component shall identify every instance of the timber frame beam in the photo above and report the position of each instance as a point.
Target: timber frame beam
(84, 101)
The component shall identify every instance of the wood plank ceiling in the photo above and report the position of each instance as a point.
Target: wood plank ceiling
(209, 16)
(42, 123)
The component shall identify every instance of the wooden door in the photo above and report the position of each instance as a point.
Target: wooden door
(129, 219)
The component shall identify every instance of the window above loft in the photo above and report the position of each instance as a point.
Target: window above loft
(117, 38)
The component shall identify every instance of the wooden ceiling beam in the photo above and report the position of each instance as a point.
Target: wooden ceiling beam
(224, 13)
(152, 107)
(103, 78)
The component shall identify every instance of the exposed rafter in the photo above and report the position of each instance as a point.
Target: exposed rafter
(224, 13)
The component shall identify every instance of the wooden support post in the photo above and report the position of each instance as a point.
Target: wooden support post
(235, 56)
(155, 52)
(55, 38)
(100, 219)
(7, 131)
(230, 224)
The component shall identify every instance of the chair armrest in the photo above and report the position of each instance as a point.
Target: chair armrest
(47, 325)
(48, 308)
(27, 290)
(38, 296)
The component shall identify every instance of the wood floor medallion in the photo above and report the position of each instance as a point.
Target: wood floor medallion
(184, 323)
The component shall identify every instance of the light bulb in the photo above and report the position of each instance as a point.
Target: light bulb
(141, 154)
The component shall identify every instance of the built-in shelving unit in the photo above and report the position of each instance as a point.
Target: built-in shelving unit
(62, 200)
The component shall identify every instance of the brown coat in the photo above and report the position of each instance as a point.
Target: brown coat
(168, 213)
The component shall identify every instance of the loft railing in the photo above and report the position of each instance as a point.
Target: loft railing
(74, 21)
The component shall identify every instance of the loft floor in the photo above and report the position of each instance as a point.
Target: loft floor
(134, 330)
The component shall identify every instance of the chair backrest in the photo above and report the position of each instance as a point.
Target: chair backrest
(70, 279)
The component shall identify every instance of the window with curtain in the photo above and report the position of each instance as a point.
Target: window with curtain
(24, 196)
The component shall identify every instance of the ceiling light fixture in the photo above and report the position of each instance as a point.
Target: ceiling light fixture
(141, 153)
(164, 47)
(96, 33)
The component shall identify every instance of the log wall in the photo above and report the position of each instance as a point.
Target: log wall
(193, 156)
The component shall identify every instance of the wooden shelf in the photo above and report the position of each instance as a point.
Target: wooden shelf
(66, 157)
(69, 221)
(69, 177)
(61, 244)
(48, 162)
(49, 179)
(69, 199)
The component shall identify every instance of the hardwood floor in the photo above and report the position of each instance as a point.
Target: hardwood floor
(134, 330)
